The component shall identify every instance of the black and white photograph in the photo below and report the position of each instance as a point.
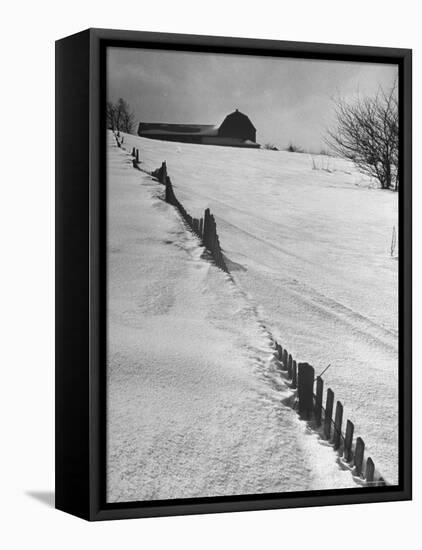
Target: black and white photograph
(211, 259)
(252, 267)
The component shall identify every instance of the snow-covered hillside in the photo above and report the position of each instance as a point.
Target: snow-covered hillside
(195, 402)
(311, 248)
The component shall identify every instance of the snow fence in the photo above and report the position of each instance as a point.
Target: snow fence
(205, 228)
(324, 420)
(309, 390)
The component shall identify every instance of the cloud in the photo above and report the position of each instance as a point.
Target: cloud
(286, 99)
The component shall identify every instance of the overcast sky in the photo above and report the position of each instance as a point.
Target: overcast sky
(287, 100)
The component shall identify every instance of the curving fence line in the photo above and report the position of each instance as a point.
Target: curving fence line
(324, 420)
(309, 389)
(205, 228)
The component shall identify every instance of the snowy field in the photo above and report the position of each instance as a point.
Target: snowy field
(195, 402)
(311, 249)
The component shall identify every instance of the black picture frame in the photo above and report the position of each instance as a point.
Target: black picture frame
(80, 273)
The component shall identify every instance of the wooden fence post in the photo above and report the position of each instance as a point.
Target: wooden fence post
(163, 173)
(206, 227)
(359, 450)
(169, 191)
(280, 356)
(294, 375)
(210, 234)
(210, 237)
(318, 400)
(290, 366)
(328, 413)
(370, 470)
(213, 235)
(280, 352)
(285, 355)
(348, 440)
(337, 425)
(306, 374)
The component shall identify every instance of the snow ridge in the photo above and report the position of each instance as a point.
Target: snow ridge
(312, 248)
(361, 467)
(199, 413)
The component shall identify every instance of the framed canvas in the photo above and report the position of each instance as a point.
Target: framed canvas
(233, 274)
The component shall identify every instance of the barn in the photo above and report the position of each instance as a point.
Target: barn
(236, 130)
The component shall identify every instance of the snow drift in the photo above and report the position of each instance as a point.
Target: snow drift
(308, 240)
(194, 399)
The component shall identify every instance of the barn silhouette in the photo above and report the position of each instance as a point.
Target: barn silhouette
(236, 130)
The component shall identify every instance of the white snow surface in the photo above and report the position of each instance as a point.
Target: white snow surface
(194, 398)
(311, 250)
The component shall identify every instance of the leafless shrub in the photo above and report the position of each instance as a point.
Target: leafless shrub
(120, 118)
(367, 133)
(270, 147)
(292, 148)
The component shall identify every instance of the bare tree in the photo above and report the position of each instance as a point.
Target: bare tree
(128, 121)
(120, 117)
(367, 133)
(110, 115)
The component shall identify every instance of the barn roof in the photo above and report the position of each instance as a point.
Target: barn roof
(161, 128)
(238, 115)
